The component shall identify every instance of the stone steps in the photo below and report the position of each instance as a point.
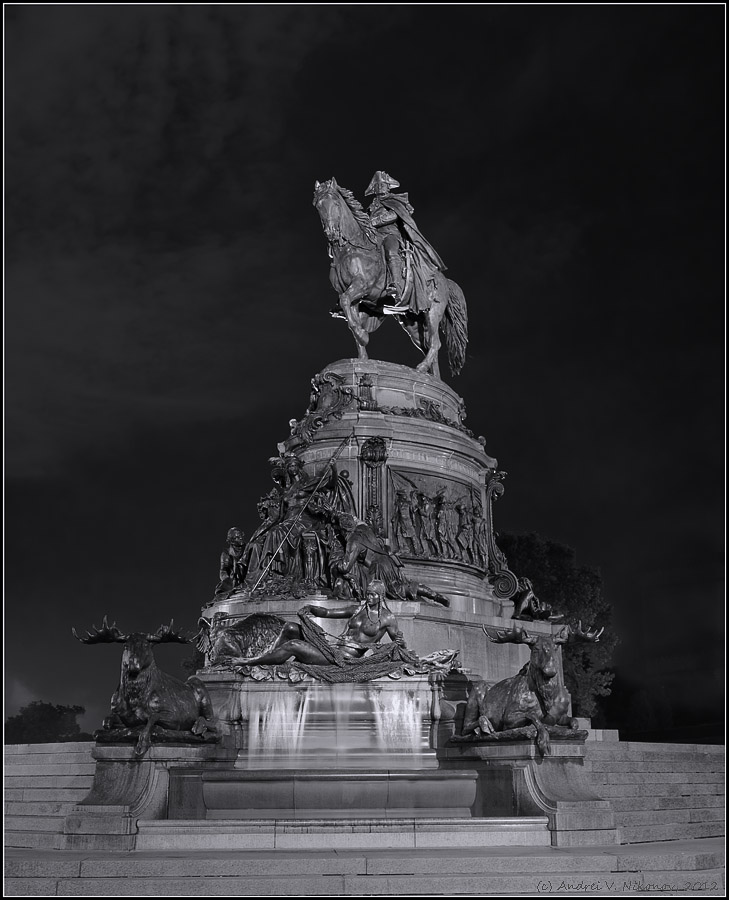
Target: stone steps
(33, 823)
(342, 834)
(44, 795)
(661, 816)
(660, 792)
(62, 770)
(687, 766)
(692, 868)
(622, 804)
(43, 783)
(638, 834)
(679, 750)
(38, 808)
(42, 780)
(42, 754)
(42, 840)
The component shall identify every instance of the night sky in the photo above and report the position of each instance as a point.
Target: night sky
(167, 295)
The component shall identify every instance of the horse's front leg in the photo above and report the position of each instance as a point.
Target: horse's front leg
(347, 300)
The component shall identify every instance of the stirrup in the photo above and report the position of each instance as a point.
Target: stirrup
(394, 309)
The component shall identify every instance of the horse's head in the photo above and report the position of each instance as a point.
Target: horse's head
(330, 206)
(341, 214)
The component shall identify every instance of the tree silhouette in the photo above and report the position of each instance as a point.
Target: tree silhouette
(43, 723)
(576, 592)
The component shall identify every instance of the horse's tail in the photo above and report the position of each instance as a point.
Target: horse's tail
(455, 327)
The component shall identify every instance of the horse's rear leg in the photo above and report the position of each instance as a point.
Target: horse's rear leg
(432, 342)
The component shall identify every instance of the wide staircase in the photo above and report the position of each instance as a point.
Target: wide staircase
(660, 792)
(43, 783)
(669, 801)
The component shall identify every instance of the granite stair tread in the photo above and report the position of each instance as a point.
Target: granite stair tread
(660, 792)
(43, 783)
(691, 866)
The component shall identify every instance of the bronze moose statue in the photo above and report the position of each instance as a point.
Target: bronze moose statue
(532, 697)
(149, 698)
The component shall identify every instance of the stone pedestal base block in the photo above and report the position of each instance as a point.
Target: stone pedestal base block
(515, 780)
(336, 794)
(126, 789)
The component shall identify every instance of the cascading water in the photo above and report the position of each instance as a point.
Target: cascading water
(399, 720)
(382, 724)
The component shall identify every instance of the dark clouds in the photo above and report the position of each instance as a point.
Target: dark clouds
(167, 284)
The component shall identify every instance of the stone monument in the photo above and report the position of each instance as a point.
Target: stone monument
(380, 514)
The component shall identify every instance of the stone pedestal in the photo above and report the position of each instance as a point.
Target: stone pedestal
(515, 780)
(409, 439)
(298, 751)
(127, 789)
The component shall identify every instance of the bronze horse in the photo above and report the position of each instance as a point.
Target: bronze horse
(358, 275)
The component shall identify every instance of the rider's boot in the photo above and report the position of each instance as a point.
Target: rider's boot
(391, 289)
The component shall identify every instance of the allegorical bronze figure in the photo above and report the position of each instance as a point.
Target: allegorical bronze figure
(382, 256)
(232, 570)
(367, 623)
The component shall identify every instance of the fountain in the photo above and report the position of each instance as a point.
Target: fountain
(380, 513)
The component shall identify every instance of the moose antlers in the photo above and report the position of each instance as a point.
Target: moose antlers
(519, 635)
(570, 634)
(166, 633)
(110, 634)
(107, 634)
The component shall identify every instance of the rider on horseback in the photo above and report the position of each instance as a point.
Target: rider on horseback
(391, 215)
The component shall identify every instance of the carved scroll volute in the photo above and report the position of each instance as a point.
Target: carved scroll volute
(504, 581)
(372, 459)
(329, 399)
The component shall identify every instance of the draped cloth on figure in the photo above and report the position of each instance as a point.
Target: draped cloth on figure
(381, 660)
(426, 261)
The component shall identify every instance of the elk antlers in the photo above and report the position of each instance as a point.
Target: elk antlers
(107, 634)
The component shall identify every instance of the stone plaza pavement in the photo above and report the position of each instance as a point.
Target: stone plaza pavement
(675, 868)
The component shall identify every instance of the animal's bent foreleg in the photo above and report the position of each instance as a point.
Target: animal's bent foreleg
(347, 300)
(474, 708)
(145, 737)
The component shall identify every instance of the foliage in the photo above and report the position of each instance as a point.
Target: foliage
(191, 664)
(44, 723)
(576, 592)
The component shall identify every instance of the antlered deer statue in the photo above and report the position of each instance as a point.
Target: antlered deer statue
(146, 696)
(533, 696)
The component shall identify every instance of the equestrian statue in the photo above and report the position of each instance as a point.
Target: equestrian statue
(381, 265)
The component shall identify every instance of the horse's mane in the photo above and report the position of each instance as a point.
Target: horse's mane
(361, 217)
(363, 220)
